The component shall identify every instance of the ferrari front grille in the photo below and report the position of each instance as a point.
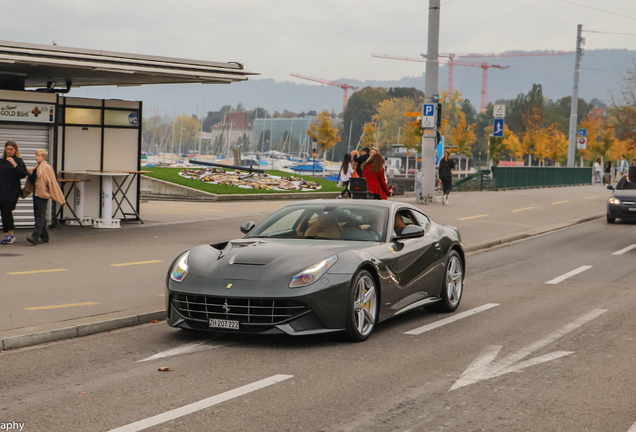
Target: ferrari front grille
(244, 310)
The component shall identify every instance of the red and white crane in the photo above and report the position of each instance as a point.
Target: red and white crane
(450, 62)
(343, 86)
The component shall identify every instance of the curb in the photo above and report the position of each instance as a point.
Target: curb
(101, 323)
(65, 330)
(499, 242)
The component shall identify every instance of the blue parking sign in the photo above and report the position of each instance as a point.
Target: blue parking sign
(498, 128)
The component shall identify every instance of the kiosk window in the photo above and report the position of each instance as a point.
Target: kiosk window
(83, 116)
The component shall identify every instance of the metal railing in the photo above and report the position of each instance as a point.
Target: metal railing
(475, 182)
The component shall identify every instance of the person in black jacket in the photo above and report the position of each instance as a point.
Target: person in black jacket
(446, 165)
(360, 159)
(12, 170)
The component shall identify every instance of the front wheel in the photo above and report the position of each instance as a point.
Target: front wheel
(453, 285)
(362, 309)
(610, 219)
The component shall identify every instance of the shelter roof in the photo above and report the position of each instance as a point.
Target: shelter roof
(32, 65)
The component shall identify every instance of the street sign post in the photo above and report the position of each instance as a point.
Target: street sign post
(582, 132)
(428, 115)
(581, 143)
(499, 111)
(498, 128)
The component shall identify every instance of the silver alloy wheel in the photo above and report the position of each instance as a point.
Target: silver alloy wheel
(365, 305)
(454, 280)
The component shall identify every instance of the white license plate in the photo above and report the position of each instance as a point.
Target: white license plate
(224, 324)
(632, 209)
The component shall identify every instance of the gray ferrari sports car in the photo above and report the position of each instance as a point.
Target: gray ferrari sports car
(316, 267)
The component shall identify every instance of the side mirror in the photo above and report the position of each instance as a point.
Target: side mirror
(610, 187)
(410, 231)
(246, 227)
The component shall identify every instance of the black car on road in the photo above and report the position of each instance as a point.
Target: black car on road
(319, 266)
(622, 203)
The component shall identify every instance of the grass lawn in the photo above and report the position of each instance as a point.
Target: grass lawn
(172, 175)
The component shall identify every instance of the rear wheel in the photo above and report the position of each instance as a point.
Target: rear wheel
(362, 310)
(610, 219)
(453, 285)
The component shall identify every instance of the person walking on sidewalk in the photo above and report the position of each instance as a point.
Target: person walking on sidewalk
(43, 184)
(12, 170)
(621, 167)
(445, 170)
(598, 171)
(373, 173)
(607, 177)
(346, 171)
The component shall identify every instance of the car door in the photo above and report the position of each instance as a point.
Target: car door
(412, 261)
(435, 272)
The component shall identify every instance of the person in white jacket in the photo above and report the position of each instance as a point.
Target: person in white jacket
(346, 171)
(598, 171)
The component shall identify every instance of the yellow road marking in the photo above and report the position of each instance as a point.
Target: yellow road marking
(60, 306)
(161, 295)
(136, 263)
(37, 271)
(523, 209)
(474, 217)
(591, 197)
(559, 202)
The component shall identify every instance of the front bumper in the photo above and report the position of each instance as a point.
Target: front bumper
(621, 211)
(261, 307)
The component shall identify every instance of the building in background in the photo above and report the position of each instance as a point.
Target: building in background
(234, 130)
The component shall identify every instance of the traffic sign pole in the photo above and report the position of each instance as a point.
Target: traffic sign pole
(425, 187)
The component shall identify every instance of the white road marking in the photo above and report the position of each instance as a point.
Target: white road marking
(200, 405)
(451, 319)
(483, 367)
(568, 275)
(184, 349)
(632, 428)
(627, 249)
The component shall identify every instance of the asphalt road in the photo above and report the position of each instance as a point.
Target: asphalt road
(549, 357)
(88, 272)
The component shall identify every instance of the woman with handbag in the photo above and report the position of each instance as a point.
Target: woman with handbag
(344, 176)
(12, 170)
(42, 182)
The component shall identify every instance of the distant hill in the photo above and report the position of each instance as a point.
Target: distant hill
(600, 74)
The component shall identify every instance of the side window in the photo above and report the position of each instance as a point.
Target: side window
(422, 219)
(403, 218)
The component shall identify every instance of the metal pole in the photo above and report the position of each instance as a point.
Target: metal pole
(349, 144)
(426, 187)
(575, 99)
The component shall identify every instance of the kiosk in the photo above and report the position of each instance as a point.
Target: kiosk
(94, 145)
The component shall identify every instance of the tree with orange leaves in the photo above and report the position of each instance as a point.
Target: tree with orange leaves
(463, 136)
(323, 132)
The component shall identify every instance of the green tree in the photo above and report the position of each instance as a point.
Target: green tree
(391, 119)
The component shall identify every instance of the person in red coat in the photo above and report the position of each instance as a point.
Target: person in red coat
(373, 173)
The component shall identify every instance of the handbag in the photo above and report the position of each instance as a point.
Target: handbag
(339, 183)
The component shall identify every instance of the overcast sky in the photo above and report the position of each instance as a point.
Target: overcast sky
(329, 39)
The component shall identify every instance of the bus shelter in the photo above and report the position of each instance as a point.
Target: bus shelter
(94, 145)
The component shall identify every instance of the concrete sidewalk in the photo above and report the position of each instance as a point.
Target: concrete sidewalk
(90, 280)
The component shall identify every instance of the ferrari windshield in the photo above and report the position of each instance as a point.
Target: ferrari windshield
(325, 221)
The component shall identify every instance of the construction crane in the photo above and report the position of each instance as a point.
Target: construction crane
(343, 86)
(450, 62)
(452, 56)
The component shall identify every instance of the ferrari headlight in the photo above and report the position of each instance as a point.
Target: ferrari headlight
(614, 201)
(313, 273)
(180, 269)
